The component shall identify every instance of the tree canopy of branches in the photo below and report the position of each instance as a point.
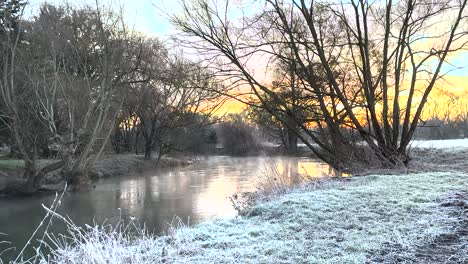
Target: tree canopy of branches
(174, 89)
(288, 90)
(368, 66)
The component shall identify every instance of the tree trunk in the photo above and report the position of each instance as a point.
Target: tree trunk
(160, 154)
(137, 136)
(78, 180)
(291, 142)
(32, 181)
(30, 175)
(34, 176)
(148, 150)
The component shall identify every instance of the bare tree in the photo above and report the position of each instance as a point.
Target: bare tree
(90, 57)
(366, 65)
(16, 115)
(175, 87)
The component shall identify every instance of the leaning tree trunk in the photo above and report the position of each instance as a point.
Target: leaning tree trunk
(160, 154)
(32, 177)
(35, 176)
(80, 180)
(76, 175)
(148, 149)
(291, 142)
(137, 136)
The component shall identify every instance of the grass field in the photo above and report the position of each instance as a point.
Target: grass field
(16, 164)
(11, 164)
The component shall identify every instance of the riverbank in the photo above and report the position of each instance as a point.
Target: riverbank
(418, 218)
(109, 166)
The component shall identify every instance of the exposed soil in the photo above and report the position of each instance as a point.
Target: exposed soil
(11, 181)
(451, 247)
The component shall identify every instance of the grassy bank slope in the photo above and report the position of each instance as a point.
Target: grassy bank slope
(365, 220)
(11, 170)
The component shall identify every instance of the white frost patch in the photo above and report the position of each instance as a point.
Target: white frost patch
(441, 144)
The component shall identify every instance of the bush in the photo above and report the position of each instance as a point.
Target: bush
(238, 137)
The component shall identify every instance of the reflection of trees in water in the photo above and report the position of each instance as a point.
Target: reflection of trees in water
(155, 200)
(296, 170)
(288, 170)
(132, 196)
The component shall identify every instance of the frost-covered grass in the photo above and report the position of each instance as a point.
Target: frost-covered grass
(441, 144)
(108, 166)
(343, 222)
(116, 165)
(121, 164)
(450, 159)
(13, 164)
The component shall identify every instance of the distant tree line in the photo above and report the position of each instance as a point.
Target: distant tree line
(446, 118)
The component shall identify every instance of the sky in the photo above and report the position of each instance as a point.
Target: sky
(144, 15)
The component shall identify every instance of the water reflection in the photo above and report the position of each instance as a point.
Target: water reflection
(195, 194)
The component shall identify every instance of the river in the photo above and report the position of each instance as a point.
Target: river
(194, 194)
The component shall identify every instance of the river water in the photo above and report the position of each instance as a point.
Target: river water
(194, 194)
